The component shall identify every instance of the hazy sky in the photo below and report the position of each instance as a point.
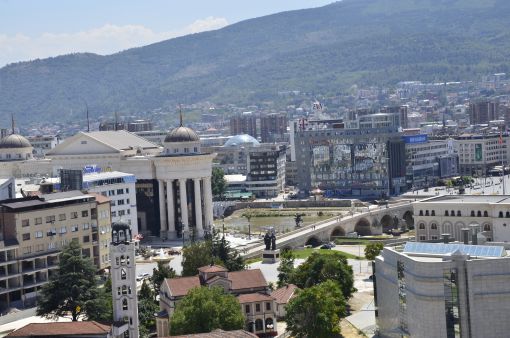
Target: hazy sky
(31, 29)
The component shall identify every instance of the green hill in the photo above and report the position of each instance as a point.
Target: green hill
(325, 50)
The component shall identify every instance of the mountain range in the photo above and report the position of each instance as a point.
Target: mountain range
(323, 50)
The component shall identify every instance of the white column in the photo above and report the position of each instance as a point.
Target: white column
(162, 209)
(170, 209)
(184, 204)
(198, 208)
(208, 202)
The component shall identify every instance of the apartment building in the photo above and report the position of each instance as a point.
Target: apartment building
(33, 232)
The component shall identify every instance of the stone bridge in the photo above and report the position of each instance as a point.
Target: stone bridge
(365, 223)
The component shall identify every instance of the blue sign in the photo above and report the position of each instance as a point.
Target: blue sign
(413, 139)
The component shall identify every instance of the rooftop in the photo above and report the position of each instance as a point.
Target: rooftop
(212, 268)
(64, 329)
(254, 297)
(219, 334)
(467, 199)
(448, 249)
(284, 294)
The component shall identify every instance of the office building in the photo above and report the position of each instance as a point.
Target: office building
(427, 160)
(488, 215)
(139, 125)
(482, 111)
(452, 290)
(401, 111)
(42, 144)
(273, 127)
(249, 286)
(33, 232)
(244, 123)
(479, 153)
(365, 162)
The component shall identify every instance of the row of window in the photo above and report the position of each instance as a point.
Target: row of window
(459, 214)
(51, 233)
(247, 307)
(120, 202)
(114, 192)
(52, 218)
(433, 226)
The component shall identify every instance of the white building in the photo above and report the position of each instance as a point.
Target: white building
(440, 290)
(7, 188)
(123, 272)
(452, 213)
(42, 144)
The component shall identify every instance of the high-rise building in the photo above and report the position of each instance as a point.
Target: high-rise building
(401, 111)
(483, 111)
(123, 272)
(273, 127)
(244, 123)
(348, 162)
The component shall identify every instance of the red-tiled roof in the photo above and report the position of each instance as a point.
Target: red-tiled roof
(247, 279)
(99, 198)
(254, 297)
(212, 268)
(181, 285)
(66, 329)
(284, 294)
(219, 334)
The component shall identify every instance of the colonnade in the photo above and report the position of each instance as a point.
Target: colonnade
(202, 206)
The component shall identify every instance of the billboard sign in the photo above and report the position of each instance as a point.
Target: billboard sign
(414, 139)
(478, 152)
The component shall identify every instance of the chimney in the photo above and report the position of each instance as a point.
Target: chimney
(446, 238)
(465, 235)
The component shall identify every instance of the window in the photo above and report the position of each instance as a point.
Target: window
(247, 308)
(85, 213)
(195, 149)
(452, 213)
(485, 214)
(27, 250)
(472, 213)
(433, 213)
(268, 306)
(121, 213)
(123, 274)
(114, 213)
(446, 212)
(487, 227)
(86, 239)
(63, 229)
(86, 226)
(25, 222)
(26, 237)
(434, 238)
(52, 245)
(426, 213)
(422, 226)
(259, 325)
(422, 238)
(124, 304)
(74, 214)
(38, 220)
(50, 219)
(127, 190)
(120, 202)
(500, 214)
(433, 226)
(120, 191)
(38, 234)
(127, 201)
(257, 307)
(62, 217)
(124, 290)
(74, 228)
(459, 213)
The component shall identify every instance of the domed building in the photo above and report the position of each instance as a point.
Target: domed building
(181, 141)
(240, 140)
(15, 147)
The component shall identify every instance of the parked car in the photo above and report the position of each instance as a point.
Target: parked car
(326, 246)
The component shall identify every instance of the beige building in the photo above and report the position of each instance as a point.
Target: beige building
(33, 232)
(449, 214)
(249, 286)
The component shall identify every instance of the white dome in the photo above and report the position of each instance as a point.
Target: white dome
(240, 140)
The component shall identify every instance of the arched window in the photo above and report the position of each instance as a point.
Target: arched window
(500, 214)
(421, 212)
(479, 213)
(459, 213)
(433, 226)
(433, 213)
(507, 214)
(124, 290)
(472, 213)
(485, 214)
(446, 212)
(124, 304)
(426, 213)
(122, 260)
(269, 324)
(118, 290)
(452, 213)
(422, 226)
(123, 274)
(487, 227)
(117, 261)
(127, 260)
(259, 325)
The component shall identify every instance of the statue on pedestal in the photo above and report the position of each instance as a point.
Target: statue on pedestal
(270, 240)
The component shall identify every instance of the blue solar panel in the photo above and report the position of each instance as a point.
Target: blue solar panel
(442, 249)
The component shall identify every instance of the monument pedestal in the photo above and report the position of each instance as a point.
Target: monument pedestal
(271, 256)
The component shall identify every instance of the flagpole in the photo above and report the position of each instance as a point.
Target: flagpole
(502, 159)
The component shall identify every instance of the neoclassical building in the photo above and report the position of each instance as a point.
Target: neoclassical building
(173, 182)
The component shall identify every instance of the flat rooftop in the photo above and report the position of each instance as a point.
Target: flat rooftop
(467, 199)
(443, 249)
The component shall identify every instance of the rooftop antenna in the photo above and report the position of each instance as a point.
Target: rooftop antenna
(12, 122)
(116, 121)
(180, 115)
(88, 120)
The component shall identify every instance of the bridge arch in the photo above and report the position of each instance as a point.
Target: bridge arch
(362, 227)
(387, 223)
(313, 241)
(338, 231)
(409, 219)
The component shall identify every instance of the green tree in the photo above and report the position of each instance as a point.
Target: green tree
(101, 308)
(147, 306)
(286, 268)
(215, 250)
(218, 182)
(319, 268)
(372, 250)
(205, 309)
(72, 290)
(316, 311)
(159, 274)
